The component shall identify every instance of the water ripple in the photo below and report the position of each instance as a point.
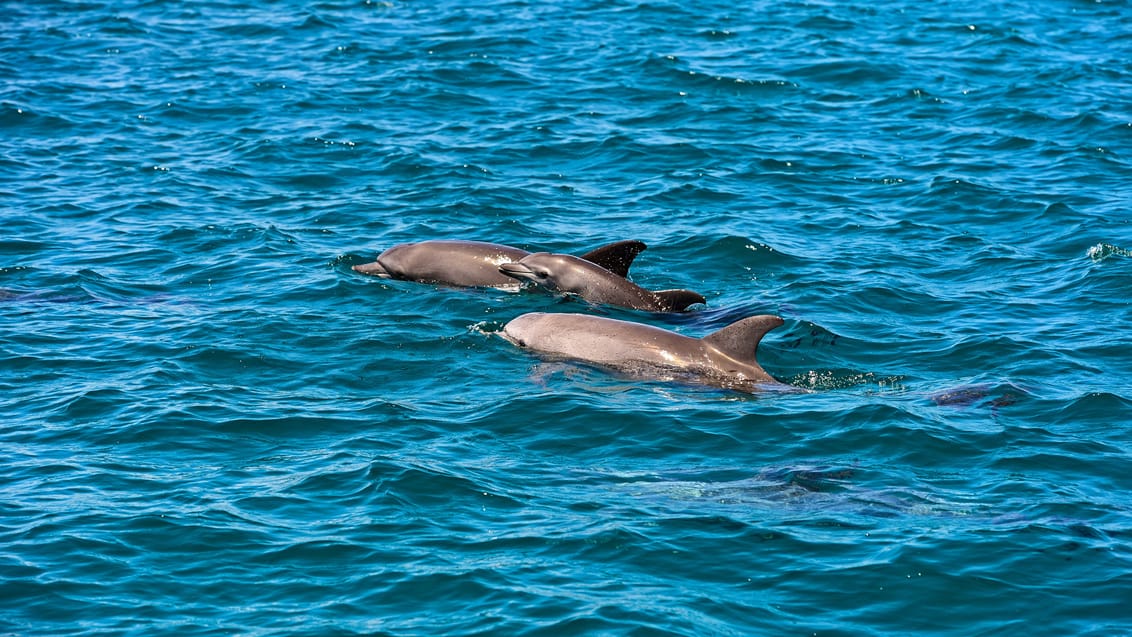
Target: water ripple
(214, 425)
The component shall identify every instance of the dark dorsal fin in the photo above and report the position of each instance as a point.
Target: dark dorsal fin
(678, 300)
(616, 257)
(741, 339)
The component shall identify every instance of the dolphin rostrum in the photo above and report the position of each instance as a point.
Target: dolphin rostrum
(476, 263)
(596, 284)
(725, 358)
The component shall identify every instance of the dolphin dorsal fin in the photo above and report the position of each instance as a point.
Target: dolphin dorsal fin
(679, 300)
(741, 339)
(616, 257)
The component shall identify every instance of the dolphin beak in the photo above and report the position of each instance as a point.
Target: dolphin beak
(374, 269)
(517, 271)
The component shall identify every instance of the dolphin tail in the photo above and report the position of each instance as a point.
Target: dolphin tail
(374, 269)
(616, 257)
(678, 300)
(740, 340)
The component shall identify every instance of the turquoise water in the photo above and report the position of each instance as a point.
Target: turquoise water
(211, 425)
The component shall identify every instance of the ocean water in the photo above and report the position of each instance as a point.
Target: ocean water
(210, 425)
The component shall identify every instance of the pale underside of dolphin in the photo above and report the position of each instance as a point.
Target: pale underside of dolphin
(476, 263)
(589, 280)
(725, 358)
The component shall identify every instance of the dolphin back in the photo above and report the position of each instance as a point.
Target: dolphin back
(447, 262)
(678, 300)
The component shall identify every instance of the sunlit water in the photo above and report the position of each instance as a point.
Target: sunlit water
(212, 425)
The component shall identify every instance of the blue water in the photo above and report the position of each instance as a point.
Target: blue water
(211, 425)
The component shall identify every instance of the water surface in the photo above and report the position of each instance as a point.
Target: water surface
(212, 425)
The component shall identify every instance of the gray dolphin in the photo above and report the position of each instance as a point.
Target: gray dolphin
(476, 263)
(571, 275)
(725, 358)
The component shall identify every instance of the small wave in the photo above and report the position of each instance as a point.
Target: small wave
(1103, 251)
(486, 328)
(750, 253)
(673, 68)
(833, 379)
(1092, 406)
(16, 118)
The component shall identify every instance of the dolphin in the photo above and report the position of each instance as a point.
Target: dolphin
(476, 263)
(589, 280)
(725, 358)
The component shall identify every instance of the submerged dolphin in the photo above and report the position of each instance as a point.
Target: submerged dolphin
(476, 263)
(583, 277)
(725, 358)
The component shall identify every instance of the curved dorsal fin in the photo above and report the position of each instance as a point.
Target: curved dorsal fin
(679, 300)
(616, 257)
(741, 339)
